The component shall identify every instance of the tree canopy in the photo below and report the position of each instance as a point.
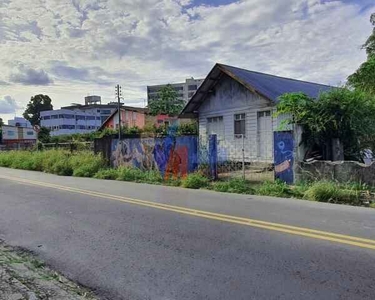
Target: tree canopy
(167, 102)
(37, 104)
(364, 78)
(340, 113)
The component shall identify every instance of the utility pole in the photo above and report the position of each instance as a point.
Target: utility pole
(118, 95)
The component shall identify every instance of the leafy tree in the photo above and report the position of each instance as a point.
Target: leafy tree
(167, 103)
(369, 45)
(44, 135)
(364, 78)
(340, 113)
(36, 105)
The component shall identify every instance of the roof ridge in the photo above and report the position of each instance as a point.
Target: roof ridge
(272, 75)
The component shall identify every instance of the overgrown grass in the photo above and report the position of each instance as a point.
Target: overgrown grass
(275, 189)
(325, 191)
(59, 162)
(87, 164)
(235, 185)
(195, 181)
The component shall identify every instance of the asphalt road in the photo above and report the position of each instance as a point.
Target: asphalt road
(136, 250)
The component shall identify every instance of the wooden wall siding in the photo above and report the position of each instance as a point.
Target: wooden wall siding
(228, 99)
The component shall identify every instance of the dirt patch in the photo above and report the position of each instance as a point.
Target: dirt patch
(23, 277)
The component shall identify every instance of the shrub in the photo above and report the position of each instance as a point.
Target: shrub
(130, 174)
(86, 164)
(235, 185)
(195, 181)
(275, 189)
(110, 174)
(324, 191)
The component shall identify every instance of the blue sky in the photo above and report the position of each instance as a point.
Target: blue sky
(69, 49)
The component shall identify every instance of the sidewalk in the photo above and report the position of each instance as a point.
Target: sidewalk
(22, 277)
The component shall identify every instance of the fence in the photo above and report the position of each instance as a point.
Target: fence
(171, 156)
(177, 156)
(237, 159)
(71, 146)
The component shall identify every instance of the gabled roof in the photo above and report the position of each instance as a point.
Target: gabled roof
(124, 108)
(268, 86)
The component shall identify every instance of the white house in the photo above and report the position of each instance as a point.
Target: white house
(238, 105)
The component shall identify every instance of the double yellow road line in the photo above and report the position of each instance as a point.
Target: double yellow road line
(299, 231)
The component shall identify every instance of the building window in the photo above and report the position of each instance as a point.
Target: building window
(46, 117)
(80, 117)
(11, 133)
(178, 88)
(192, 87)
(30, 133)
(90, 118)
(215, 125)
(54, 116)
(134, 115)
(239, 124)
(264, 113)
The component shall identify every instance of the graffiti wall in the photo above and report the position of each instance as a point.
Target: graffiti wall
(284, 156)
(171, 156)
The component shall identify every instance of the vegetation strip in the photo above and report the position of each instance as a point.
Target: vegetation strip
(87, 164)
(312, 233)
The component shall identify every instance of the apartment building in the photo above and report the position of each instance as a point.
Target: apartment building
(185, 90)
(78, 118)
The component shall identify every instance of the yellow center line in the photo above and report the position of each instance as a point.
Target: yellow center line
(295, 230)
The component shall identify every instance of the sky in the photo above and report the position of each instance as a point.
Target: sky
(69, 49)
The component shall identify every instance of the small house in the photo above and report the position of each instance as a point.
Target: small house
(238, 106)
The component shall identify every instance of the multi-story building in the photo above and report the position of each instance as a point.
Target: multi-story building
(78, 118)
(185, 90)
(18, 136)
(19, 122)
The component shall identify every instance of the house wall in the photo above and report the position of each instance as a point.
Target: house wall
(128, 118)
(11, 134)
(227, 99)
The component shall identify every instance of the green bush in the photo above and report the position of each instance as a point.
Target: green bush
(236, 185)
(86, 164)
(195, 181)
(111, 174)
(325, 191)
(274, 189)
(130, 174)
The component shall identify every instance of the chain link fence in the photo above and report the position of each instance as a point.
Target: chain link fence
(240, 159)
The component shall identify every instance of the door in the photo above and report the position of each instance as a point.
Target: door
(265, 137)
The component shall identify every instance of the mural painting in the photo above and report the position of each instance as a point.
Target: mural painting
(172, 156)
(283, 155)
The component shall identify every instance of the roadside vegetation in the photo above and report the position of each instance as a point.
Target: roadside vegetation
(87, 164)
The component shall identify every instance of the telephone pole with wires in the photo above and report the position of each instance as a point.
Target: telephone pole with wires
(119, 95)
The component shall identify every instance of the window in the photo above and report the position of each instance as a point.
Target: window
(215, 125)
(192, 87)
(30, 133)
(80, 117)
(178, 88)
(106, 112)
(90, 118)
(46, 118)
(264, 113)
(240, 124)
(61, 116)
(11, 133)
(134, 115)
(98, 118)
(54, 116)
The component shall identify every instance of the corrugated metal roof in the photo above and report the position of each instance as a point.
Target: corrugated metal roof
(269, 86)
(273, 86)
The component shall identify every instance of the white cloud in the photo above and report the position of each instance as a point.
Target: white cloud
(86, 46)
(8, 105)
